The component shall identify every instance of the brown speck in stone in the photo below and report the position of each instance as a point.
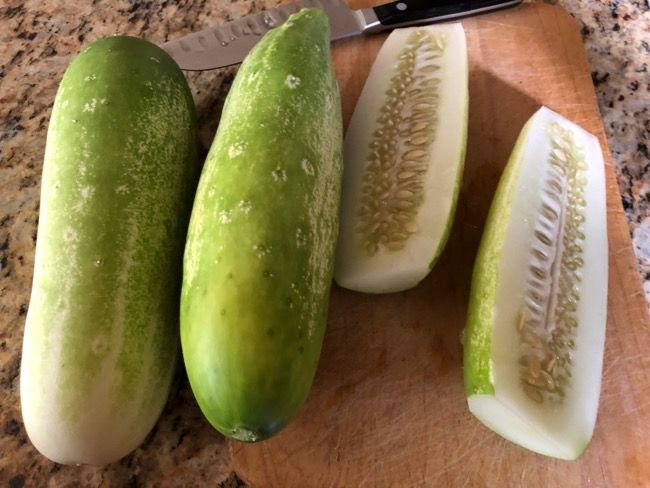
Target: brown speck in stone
(11, 127)
(26, 182)
(49, 51)
(633, 86)
(627, 203)
(11, 12)
(598, 79)
(621, 98)
(27, 35)
(22, 310)
(616, 28)
(9, 374)
(12, 428)
(17, 57)
(17, 481)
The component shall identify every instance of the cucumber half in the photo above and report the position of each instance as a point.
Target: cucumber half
(404, 154)
(536, 326)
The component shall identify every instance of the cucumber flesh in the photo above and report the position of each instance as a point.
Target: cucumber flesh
(536, 325)
(404, 156)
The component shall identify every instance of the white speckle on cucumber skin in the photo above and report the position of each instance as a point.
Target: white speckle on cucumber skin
(90, 106)
(236, 149)
(307, 167)
(155, 59)
(85, 195)
(301, 238)
(70, 235)
(245, 206)
(225, 216)
(90, 78)
(86, 192)
(292, 81)
(261, 250)
(122, 190)
(279, 174)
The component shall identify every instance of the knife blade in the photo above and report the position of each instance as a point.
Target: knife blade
(229, 43)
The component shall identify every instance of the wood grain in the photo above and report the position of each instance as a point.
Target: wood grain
(387, 407)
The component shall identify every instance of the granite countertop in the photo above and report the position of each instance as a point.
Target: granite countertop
(37, 41)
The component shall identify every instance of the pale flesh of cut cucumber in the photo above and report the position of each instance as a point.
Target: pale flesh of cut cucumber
(536, 324)
(404, 155)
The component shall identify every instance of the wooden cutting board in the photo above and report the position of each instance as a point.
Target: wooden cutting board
(387, 407)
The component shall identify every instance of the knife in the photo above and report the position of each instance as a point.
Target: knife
(229, 43)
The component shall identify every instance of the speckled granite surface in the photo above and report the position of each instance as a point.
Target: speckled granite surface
(617, 40)
(37, 40)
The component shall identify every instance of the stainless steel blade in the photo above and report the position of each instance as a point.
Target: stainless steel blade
(229, 43)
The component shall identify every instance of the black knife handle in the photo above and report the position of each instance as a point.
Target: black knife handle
(409, 12)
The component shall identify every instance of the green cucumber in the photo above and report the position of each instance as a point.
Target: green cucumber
(259, 255)
(536, 324)
(404, 157)
(101, 336)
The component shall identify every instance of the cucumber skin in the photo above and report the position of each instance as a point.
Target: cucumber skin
(477, 367)
(101, 336)
(259, 257)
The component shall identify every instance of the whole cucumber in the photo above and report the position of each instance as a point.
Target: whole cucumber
(259, 256)
(101, 336)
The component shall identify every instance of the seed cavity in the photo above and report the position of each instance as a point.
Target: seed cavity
(547, 322)
(393, 182)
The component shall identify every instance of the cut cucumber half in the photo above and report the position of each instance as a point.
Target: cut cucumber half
(536, 325)
(404, 155)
